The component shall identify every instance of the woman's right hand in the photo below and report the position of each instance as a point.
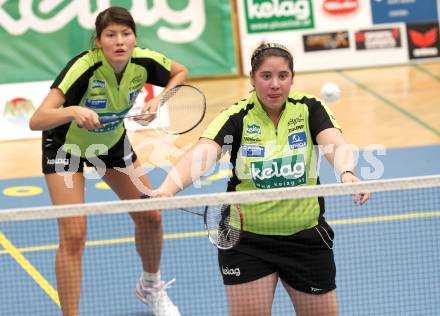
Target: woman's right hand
(86, 118)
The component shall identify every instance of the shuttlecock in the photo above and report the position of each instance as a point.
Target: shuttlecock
(330, 92)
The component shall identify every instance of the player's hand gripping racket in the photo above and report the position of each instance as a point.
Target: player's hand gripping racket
(180, 110)
(223, 223)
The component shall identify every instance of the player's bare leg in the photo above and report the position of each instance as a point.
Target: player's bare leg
(72, 236)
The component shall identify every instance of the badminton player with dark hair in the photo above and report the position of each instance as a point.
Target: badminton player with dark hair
(271, 137)
(101, 82)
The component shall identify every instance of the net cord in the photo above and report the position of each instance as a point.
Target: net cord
(187, 201)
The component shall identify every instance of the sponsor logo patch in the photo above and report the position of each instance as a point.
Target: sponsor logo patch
(231, 271)
(98, 84)
(253, 129)
(136, 80)
(96, 104)
(295, 128)
(252, 151)
(297, 140)
(58, 161)
(252, 139)
(296, 120)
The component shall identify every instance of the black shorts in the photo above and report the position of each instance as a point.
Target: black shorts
(304, 260)
(55, 159)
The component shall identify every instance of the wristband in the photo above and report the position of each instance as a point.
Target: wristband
(344, 172)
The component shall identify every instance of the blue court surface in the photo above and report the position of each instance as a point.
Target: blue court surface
(387, 252)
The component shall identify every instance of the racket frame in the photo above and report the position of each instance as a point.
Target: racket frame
(205, 223)
(211, 238)
(167, 96)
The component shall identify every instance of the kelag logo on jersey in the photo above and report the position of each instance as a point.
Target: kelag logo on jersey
(252, 151)
(96, 104)
(297, 140)
(98, 84)
(278, 15)
(253, 129)
(281, 172)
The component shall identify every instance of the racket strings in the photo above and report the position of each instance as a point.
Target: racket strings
(184, 108)
(223, 225)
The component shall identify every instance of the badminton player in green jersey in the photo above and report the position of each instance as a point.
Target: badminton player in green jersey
(100, 82)
(272, 137)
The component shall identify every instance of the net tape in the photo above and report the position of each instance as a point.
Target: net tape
(187, 201)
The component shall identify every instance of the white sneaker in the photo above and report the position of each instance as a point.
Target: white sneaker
(157, 298)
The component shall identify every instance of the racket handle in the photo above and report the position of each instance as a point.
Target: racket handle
(105, 120)
(109, 119)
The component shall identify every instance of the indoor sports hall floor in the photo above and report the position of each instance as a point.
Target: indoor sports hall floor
(393, 112)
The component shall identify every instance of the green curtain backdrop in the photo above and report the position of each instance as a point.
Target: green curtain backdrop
(38, 37)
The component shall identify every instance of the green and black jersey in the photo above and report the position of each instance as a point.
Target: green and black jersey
(264, 156)
(89, 80)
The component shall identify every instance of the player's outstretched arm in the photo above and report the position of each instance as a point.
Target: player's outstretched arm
(193, 164)
(340, 155)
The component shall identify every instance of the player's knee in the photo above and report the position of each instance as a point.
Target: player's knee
(73, 244)
(150, 218)
(154, 218)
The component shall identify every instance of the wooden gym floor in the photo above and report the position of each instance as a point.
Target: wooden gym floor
(393, 106)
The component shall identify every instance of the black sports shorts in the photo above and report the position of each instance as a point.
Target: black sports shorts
(303, 260)
(55, 159)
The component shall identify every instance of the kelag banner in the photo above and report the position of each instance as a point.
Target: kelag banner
(341, 34)
(38, 37)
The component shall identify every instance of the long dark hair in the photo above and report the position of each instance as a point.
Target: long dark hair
(116, 15)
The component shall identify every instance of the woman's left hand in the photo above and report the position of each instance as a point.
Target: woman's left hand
(150, 107)
(362, 198)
